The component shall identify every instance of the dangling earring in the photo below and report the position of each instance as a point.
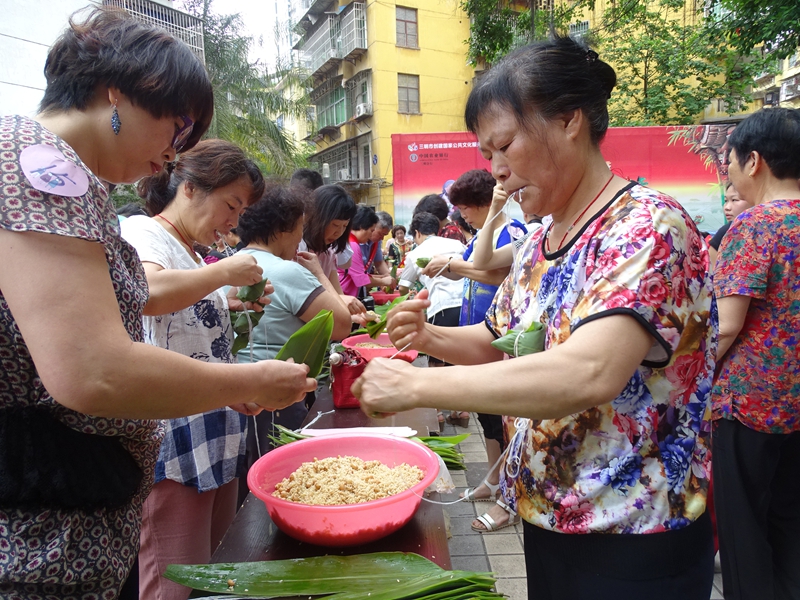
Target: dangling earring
(115, 122)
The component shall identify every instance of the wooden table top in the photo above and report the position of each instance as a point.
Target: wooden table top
(254, 537)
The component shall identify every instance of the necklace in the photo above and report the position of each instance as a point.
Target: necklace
(575, 222)
(180, 235)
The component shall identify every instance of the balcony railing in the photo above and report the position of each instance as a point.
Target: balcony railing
(183, 26)
(323, 46)
(354, 31)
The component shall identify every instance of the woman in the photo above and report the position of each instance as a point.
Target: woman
(326, 232)
(733, 207)
(196, 201)
(271, 230)
(79, 386)
(608, 439)
(398, 246)
(354, 277)
(755, 401)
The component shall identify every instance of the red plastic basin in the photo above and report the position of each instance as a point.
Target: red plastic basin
(348, 524)
(383, 297)
(386, 352)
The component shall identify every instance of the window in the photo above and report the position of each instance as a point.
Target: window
(579, 29)
(407, 27)
(331, 109)
(408, 94)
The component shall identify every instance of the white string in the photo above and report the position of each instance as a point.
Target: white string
(315, 419)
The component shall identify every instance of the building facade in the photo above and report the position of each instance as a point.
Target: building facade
(378, 68)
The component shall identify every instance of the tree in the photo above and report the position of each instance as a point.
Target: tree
(669, 68)
(247, 99)
(746, 24)
(497, 28)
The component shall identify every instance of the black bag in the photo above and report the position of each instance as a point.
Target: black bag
(45, 464)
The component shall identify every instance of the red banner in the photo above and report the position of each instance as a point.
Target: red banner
(425, 162)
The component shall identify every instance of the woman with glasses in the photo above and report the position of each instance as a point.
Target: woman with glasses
(80, 391)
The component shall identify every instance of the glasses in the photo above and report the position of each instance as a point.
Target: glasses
(182, 134)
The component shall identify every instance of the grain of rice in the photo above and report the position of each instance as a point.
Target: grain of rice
(345, 480)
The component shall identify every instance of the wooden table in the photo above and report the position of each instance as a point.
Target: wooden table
(254, 537)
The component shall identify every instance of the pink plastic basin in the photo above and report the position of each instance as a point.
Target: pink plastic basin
(383, 340)
(383, 297)
(348, 524)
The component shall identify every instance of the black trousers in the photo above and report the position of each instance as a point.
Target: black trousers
(672, 565)
(757, 502)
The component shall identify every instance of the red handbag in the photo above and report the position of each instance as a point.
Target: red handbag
(343, 376)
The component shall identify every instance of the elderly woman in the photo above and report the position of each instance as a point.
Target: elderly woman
(756, 404)
(78, 387)
(608, 460)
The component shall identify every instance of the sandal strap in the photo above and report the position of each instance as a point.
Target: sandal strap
(488, 521)
(512, 513)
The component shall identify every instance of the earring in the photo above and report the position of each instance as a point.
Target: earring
(115, 122)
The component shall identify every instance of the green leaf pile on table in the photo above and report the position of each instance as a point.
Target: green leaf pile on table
(378, 576)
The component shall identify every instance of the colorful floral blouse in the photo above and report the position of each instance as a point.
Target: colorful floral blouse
(640, 463)
(759, 378)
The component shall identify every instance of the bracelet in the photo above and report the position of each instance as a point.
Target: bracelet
(448, 263)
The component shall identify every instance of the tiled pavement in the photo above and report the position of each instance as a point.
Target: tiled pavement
(499, 552)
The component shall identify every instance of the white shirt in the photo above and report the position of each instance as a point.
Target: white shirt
(443, 292)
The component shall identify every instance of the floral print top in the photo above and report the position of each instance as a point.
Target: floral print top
(641, 463)
(759, 378)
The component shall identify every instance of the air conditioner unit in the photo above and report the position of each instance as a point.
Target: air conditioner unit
(363, 110)
(771, 98)
(343, 174)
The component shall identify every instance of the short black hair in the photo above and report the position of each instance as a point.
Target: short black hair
(434, 204)
(397, 228)
(152, 68)
(459, 220)
(328, 203)
(545, 80)
(473, 188)
(277, 211)
(775, 134)
(365, 218)
(306, 178)
(425, 223)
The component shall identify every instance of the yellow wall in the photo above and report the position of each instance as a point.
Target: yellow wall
(445, 81)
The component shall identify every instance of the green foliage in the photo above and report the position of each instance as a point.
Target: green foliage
(247, 99)
(668, 68)
(123, 194)
(746, 24)
(497, 28)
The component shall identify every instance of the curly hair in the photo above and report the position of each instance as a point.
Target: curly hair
(277, 211)
(473, 188)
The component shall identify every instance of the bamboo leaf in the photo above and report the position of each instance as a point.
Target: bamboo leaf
(251, 293)
(375, 328)
(359, 574)
(517, 343)
(308, 344)
(240, 343)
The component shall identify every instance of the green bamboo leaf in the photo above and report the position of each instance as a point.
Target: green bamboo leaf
(251, 293)
(375, 328)
(359, 574)
(450, 439)
(517, 343)
(423, 262)
(240, 343)
(308, 344)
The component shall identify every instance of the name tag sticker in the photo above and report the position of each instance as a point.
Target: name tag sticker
(48, 170)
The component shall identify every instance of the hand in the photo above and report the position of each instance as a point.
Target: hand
(406, 323)
(310, 261)
(240, 269)
(381, 389)
(284, 383)
(434, 267)
(248, 409)
(499, 198)
(258, 306)
(354, 305)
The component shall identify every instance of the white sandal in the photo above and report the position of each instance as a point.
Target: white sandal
(491, 525)
(469, 493)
